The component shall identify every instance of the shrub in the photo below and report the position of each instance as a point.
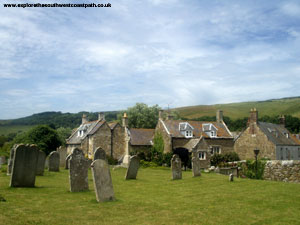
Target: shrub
(111, 160)
(222, 159)
(249, 169)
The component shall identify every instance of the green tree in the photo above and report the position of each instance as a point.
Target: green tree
(63, 134)
(142, 116)
(43, 136)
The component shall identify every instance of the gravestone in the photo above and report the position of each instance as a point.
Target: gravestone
(79, 167)
(99, 154)
(231, 177)
(54, 161)
(24, 166)
(176, 167)
(40, 167)
(133, 167)
(11, 159)
(2, 160)
(67, 161)
(196, 167)
(62, 156)
(102, 181)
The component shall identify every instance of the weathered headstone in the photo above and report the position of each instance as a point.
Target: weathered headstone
(62, 156)
(99, 154)
(176, 167)
(79, 167)
(40, 167)
(24, 166)
(196, 167)
(54, 161)
(102, 181)
(133, 167)
(11, 159)
(231, 177)
(67, 161)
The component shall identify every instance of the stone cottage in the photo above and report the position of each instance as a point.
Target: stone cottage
(274, 141)
(201, 138)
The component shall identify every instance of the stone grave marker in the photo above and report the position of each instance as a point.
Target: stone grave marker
(24, 166)
(102, 181)
(133, 167)
(54, 161)
(231, 177)
(99, 154)
(196, 167)
(40, 167)
(62, 156)
(67, 161)
(176, 167)
(11, 159)
(78, 171)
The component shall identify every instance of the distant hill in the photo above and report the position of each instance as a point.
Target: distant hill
(273, 107)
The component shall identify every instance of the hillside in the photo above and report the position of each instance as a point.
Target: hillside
(284, 106)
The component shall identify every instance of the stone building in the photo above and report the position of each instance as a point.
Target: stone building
(274, 141)
(201, 138)
(140, 140)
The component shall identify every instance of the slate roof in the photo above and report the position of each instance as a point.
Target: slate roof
(141, 136)
(278, 134)
(173, 128)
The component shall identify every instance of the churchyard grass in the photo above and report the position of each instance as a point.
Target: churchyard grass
(152, 199)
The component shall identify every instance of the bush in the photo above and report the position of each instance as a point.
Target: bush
(222, 159)
(144, 163)
(111, 160)
(249, 169)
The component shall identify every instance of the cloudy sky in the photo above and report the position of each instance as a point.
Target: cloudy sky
(164, 52)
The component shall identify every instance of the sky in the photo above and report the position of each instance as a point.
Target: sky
(166, 52)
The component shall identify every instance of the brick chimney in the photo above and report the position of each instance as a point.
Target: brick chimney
(125, 120)
(169, 116)
(84, 119)
(253, 116)
(101, 116)
(219, 116)
(282, 120)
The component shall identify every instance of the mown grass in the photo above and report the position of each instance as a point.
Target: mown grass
(288, 106)
(152, 199)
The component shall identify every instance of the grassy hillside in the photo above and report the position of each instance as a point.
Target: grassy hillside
(8, 129)
(285, 106)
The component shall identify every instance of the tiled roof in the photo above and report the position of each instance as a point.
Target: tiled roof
(278, 134)
(173, 128)
(112, 125)
(141, 136)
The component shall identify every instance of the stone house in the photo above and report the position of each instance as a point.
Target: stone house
(140, 140)
(274, 141)
(201, 138)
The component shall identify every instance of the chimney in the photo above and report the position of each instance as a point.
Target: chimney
(169, 116)
(125, 120)
(160, 114)
(219, 116)
(101, 116)
(282, 120)
(253, 116)
(84, 119)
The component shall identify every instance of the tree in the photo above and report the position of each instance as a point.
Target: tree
(142, 116)
(43, 136)
(63, 134)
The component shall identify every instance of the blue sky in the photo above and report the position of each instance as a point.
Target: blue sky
(164, 52)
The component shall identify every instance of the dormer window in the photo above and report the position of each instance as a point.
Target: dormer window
(186, 129)
(210, 130)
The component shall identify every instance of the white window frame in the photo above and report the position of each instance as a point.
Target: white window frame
(188, 133)
(202, 155)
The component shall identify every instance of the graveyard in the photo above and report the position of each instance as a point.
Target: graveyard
(153, 198)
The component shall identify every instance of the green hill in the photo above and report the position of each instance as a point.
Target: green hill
(273, 107)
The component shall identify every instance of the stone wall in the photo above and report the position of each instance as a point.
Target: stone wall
(251, 139)
(282, 170)
(187, 143)
(202, 147)
(118, 142)
(226, 144)
(101, 138)
(167, 139)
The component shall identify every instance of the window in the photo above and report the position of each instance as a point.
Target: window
(202, 155)
(188, 133)
(212, 134)
(288, 154)
(281, 153)
(215, 150)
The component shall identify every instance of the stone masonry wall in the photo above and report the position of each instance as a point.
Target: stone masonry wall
(118, 142)
(226, 145)
(165, 135)
(247, 142)
(282, 170)
(101, 138)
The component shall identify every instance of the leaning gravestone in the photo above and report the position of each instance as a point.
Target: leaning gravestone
(176, 167)
(102, 181)
(231, 177)
(62, 156)
(54, 161)
(99, 154)
(24, 166)
(67, 161)
(133, 167)
(79, 167)
(11, 159)
(196, 167)
(40, 167)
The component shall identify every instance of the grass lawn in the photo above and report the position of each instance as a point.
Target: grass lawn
(152, 199)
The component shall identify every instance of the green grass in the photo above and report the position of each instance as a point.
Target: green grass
(287, 106)
(153, 199)
(7, 129)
